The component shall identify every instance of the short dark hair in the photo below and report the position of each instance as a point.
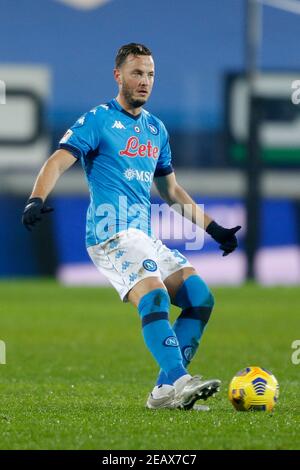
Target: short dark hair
(132, 48)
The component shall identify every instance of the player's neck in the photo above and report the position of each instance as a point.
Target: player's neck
(127, 107)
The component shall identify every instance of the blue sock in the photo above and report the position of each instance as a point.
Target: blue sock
(196, 302)
(159, 335)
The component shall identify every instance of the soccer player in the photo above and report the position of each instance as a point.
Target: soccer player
(122, 148)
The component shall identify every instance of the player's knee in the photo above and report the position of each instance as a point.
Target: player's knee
(194, 292)
(154, 302)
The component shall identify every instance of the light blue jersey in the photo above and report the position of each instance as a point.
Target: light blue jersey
(120, 154)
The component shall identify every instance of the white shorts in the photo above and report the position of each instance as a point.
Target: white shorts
(131, 255)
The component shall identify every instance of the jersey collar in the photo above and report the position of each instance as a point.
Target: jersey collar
(119, 107)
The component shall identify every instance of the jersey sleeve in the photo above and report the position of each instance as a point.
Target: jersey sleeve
(83, 137)
(164, 164)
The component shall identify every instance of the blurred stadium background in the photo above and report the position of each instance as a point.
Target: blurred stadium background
(56, 61)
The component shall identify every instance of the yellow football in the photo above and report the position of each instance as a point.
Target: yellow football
(254, 388)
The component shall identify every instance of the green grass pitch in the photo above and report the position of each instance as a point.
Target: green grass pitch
(77, 372)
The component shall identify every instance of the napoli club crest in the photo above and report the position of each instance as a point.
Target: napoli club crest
(153, 129)
(150, 265)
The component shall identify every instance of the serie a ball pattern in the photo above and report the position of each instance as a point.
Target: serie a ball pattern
(254, 388)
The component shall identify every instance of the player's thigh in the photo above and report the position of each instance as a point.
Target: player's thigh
(127, 260)
(174, 281)
(144, 287)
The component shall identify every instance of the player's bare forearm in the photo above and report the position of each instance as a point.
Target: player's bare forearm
(189, 208)
(53, 168)
(174, 194)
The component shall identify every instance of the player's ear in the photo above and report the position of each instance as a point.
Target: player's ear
(117, 75)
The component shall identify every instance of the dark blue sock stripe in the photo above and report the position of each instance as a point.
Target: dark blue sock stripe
(155, 316)
(196, 313)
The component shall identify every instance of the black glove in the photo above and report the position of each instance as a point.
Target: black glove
(33, 212)
(225, 236)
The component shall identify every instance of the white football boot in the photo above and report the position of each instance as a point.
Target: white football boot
(191, 389)
(162, 396)
(185, 392)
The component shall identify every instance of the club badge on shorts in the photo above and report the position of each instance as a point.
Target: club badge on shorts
(149, 265)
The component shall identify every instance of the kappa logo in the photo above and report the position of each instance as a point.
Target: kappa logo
(81, 120)
(118, 125)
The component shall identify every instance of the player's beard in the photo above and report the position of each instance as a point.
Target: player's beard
(130, 100)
